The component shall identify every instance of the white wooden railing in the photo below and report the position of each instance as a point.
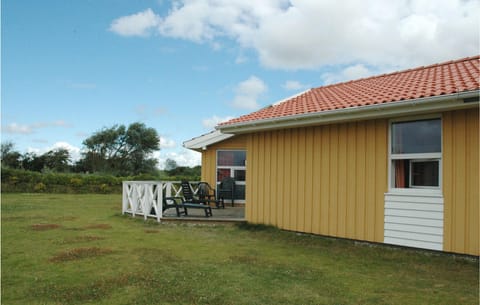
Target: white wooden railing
(143, 197)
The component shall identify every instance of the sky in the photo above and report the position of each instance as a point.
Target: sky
(71, 68)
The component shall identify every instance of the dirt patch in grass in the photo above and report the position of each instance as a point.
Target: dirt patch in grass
(80, 239)
(244, 259)
(67, 218)
(102, 226)
(44, 226)
(151, 231)
(96, 290)
(79, 253)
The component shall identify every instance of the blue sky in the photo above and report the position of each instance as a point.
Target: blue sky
(70, 68)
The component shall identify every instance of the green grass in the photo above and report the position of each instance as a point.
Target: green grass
(79, 249)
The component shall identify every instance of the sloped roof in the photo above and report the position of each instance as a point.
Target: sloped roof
(201, 142)
(423, 82)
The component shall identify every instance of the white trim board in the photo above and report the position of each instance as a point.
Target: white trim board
(202, 142)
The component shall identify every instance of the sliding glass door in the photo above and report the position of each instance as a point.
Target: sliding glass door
(231, 164)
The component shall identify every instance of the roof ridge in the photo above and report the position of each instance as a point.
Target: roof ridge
(455, 61)
(278, 103)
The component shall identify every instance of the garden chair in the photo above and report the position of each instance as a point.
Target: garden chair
(189, 200)
(226, 189)
(207, 193)
(176, 203)
(169, 203)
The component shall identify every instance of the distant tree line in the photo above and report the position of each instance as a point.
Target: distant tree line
(117, 151)
(57, 160)
(173, 170)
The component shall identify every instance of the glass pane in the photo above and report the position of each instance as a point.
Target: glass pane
(424, 173)
(222, 173)
(239, 175)
(417, 137)
(401, 173)
(239, 192)
(231, 158)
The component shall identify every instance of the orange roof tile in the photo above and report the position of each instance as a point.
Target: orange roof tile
(434, 80)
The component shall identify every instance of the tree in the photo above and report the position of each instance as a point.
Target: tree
(32, 162)
(121, 150)
(170, 165)
(10, 157)
(57, 160)
(172, 169)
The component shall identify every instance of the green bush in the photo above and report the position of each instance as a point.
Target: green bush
(21, 181)
(39, 187)
(14, 180)
(103, 188)
(76, 182)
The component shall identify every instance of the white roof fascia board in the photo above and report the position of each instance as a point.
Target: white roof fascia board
(203, 141)
(400, 108)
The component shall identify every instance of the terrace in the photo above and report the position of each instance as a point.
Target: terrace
(145, 199)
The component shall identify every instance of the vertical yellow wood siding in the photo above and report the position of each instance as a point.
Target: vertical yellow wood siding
(461, 181)
(327, 180)
(331, 179)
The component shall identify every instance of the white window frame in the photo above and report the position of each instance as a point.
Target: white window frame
(232, 170)
(411, 185)
(427, 190)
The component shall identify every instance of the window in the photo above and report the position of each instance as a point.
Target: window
(231, 158)
(231, 163)
(416, 152)
(423, 173)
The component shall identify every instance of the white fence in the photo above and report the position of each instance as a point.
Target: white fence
(146, 197)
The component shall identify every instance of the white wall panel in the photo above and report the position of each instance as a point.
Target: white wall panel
(414, 220)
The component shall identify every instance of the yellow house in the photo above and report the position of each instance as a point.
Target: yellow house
(390, 159)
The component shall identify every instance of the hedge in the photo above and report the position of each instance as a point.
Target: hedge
(21, 181)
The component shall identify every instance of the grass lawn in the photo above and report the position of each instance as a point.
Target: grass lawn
(79, 249)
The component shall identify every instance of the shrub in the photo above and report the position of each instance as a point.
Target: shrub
(21, 181)
(103, 188)
(13, 180)
(39, 187)
(76, 182)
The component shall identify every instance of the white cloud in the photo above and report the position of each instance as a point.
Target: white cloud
(75, 152)
(140, 24)
(241, 59)
(308, 34)
(59, 123)
(37, 151)
(294, 85)
(210, 123)
(248, 92)
(183, 157)
(357, 71)
(349, 73)
(167, 143)
(15, 128)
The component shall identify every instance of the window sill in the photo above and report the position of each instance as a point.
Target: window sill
(416, 192)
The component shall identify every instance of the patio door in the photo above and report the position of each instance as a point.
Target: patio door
(231, 163)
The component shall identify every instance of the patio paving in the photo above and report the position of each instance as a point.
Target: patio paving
(228, 214)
